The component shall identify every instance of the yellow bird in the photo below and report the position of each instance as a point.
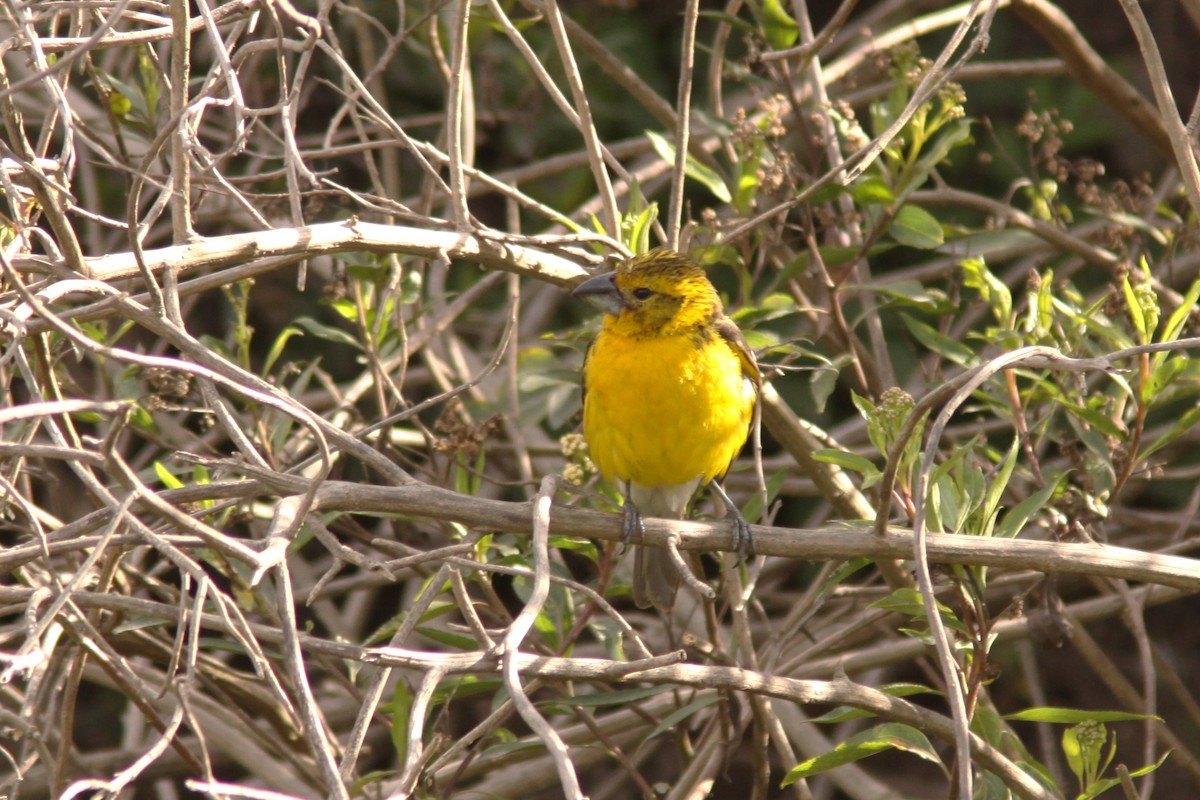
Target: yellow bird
(669, 387)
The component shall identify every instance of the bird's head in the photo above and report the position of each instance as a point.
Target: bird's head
(659, 293)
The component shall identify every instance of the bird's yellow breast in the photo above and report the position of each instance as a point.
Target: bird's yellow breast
(665, 410)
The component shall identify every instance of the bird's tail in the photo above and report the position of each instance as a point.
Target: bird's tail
(655, 576)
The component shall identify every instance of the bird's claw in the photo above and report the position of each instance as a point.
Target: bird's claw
(743, 537)
(632, 520)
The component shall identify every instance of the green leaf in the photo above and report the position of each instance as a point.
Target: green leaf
(915, 294)
(277, 347)
(779, 28)
(1073, 751)
(1177, 429)
(346, 308)
(850, 461)
(917, 228)
(691, 167)
(447, 638)
(907, 601)
(950, 349)
(617, 698)
(1045, 305)
(584, 546)
(1135, 311)
(168, 480)
(1179, 316)
(888, 736)
(983, 244)
(832, 256)
(991, 502)
(1162, 376)
(1100, 787)
(993, 291)
(401, 708)
(138, 624)
(1074, 716)
(935, 152)
(119, 104)
(821, 386)
(1014, 521)
(671, 720)
(1095, 419)
(328, 332)
(462, 686)
(151, 88)
(753, 509)
(848, 713)
(873, 191)
(637, 225)
(141, 418)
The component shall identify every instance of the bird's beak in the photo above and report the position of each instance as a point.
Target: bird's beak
(602, 292)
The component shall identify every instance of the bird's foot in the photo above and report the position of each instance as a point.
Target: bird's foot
(743, 537)
(632, 521)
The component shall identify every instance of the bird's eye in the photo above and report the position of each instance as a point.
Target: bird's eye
(641, 293)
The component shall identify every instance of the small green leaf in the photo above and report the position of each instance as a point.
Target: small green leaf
(821, 386)
(850, 461)
(462, 686)
(1135, 311)
(119, 104)
(1073, 716)
(447, 638)
(1177, 429)
(1014, 521)
(151, 89)
(1162, 376)
(637, 225)
(1045, 304)
(873, 191)
(934, 153)
(277, 347)
(779, 28)
(917, 228)
(991, 503)
(411, 282)
(950, 349)
(753, 509)
(139, 624)
(328, 332)
(847, 713)
(681, 714)
(1096, 419)
(1074, 753)
(913, 293)
(888, 736)
(691, 167)
(1179, 315)
(1100, 787)
(168, 480)
(584, 546)
(905, 601)
(401, 708)
(993, 291)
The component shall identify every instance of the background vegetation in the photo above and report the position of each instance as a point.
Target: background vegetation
(293, 498)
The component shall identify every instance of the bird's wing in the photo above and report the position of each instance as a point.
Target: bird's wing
(734, 338)
(584, 370)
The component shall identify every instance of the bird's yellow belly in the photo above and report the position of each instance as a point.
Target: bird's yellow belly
(662, 411)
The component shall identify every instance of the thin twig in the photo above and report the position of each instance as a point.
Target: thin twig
(521, 626)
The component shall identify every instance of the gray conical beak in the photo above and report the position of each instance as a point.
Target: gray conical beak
(602, 292)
